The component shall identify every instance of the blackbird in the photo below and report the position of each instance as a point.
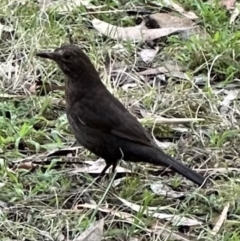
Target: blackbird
(101, 123)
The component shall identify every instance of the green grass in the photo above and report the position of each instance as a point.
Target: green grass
(40, 204)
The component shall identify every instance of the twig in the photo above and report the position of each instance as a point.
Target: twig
(170, 121)
(219, 170)
(220, 220)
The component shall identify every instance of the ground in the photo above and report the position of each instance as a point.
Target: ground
(47, 194)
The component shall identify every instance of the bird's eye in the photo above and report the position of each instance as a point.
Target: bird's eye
(67, 56)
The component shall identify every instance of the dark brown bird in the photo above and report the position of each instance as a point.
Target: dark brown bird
(101, 123)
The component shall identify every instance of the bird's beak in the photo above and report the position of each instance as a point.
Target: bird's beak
(48, 55)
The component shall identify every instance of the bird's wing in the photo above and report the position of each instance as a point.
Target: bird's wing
(110, 116)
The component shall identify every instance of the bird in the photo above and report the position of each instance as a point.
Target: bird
(101, 123)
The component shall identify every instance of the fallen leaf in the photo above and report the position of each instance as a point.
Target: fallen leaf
(221, 220)
(7, 70)
(164, 190)
(3, 205)
(118, 181)
(228, 4)
(225, 104)
(162, 69)
(6, 32)
(97, 167)
(162, 120)
(235, 13)
(25, 165)
(52, 153)
(122, 215)
(200, 80)
(58, 102)
(219, 170)
(64, 7)
(147, 55)
(171, 70)
(169, 20)
(11, 96)
(168, 234)
(137, 33)
(180, 9)
(177, 220)
(42, 89)
(129, 86)
(60, 237)
(43, 4)
(164, 145)
(94, 232)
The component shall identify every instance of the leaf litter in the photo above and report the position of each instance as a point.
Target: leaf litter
(137, 33)
(94, 232)
(176, 220)
(180, 9)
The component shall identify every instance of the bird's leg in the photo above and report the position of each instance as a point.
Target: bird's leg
(108, 164)
(114, 165)
(105, 169)
(101, 175)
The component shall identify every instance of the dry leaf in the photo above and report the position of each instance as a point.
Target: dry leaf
(168, 20)
(5, 31)
(11, 96)
(33, 89)
(177, 220)
(44, 3)
(221, 220)
(58, 102)
(147, 55)
(228, 4)
(170, 68)
(235, 13)
(162, 120)
(7, 70)
(97, 167)
(93, 233)
(123, 215)
(3, 205)
(180, 9)
(167, 71)
(168, 234)
(219, 170)
(42, 89)
(63, 6)
(118, 181)
(129, 86)
(165, 145)
(60, 237)
(164, 190)
(137, 33)
(25, 165)
(225, 104)
(56, 152)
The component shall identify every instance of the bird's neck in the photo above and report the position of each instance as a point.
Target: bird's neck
(81, 87)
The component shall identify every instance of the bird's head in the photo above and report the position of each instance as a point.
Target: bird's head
(70, 58)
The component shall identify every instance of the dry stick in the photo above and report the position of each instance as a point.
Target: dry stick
(170, 121)
(218, 170)
(221, 220)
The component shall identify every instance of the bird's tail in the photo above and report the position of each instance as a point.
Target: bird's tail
(158, 157)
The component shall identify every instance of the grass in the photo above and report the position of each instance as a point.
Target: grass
(40, 204)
